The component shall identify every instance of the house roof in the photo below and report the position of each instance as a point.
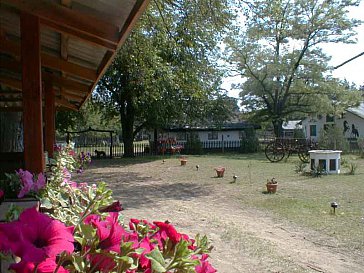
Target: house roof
(234, 126)
(292, 124)
(79, 39)
(358, 111)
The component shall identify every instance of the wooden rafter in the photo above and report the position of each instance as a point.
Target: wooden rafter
(50, 61)
(67, 84)
(65, 103)
(130, 22)
(89, 28)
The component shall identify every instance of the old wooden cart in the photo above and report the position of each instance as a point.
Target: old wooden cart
(279, 148)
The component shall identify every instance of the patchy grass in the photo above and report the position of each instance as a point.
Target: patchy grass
(302, 200)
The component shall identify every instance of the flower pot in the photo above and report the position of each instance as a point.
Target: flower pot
(183, 162)
(272, 188)
(24, 203)
(220, 172)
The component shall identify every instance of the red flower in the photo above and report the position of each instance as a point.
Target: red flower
(166, 230)
(35, 236)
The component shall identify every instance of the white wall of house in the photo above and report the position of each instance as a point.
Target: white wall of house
(351, 125)
(219, 135)
(205, 136)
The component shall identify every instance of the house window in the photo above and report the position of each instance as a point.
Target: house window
(212, 135)
(313, 131)
(329, 118)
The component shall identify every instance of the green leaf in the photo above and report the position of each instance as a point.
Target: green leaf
(78, 263)
(157, 260)
(87, 231)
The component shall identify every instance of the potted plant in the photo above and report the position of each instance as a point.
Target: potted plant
(272, 185)
(183, 161)
(20, 189)
(220, 171)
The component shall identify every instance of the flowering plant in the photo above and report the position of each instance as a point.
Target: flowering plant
(21, 184)
(80, 230)
(272, 181)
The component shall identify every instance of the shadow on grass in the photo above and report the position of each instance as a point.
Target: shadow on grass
(125, 161)
(136, 191)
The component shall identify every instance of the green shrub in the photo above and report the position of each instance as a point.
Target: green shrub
(193, 145)
(250, 143)
(332, 138)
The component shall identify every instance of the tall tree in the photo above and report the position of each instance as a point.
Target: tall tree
(277, 52)
(167, 70)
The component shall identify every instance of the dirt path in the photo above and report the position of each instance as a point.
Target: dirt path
(244, 240)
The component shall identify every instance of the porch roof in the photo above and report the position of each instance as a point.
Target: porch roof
(79, 39)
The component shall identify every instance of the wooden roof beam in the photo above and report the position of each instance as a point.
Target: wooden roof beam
(67, 84)
(11, 82)
(130, 22)
(50, 61)
(62, 19)
(65, 103)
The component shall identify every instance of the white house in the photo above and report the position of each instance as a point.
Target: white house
(351, 123)
(228, 136)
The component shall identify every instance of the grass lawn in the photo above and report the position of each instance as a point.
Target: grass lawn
(302, 200)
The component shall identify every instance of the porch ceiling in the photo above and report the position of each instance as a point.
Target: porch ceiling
(78, 41)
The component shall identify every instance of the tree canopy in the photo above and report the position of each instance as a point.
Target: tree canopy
(277, 51)
(167, 70)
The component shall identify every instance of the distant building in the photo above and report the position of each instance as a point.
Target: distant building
(229, 135)
(351, 123)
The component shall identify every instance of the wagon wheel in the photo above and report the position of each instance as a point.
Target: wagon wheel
(303, 155)
(274, 152)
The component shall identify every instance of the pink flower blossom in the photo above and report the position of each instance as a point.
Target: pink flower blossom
(146, 244)
(66, 175)
(47, 266)
(2, 194)
(26, 179)
(36, 236)
(40, 183)
(204, 266)
(110, 234)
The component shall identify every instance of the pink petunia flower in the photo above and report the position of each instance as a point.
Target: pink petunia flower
(26, 179)
(146, 244)
(40, 183)
(110, 234)
(204, 266)
(47, 266)
(36, 236)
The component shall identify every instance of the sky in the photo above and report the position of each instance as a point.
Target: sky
(352, 71)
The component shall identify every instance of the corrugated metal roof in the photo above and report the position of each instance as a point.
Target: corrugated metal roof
(78, 41)
(359, 111)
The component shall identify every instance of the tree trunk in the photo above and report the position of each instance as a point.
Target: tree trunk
(127, 116)
(128, 138)
(11, 132)
(278, 130)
